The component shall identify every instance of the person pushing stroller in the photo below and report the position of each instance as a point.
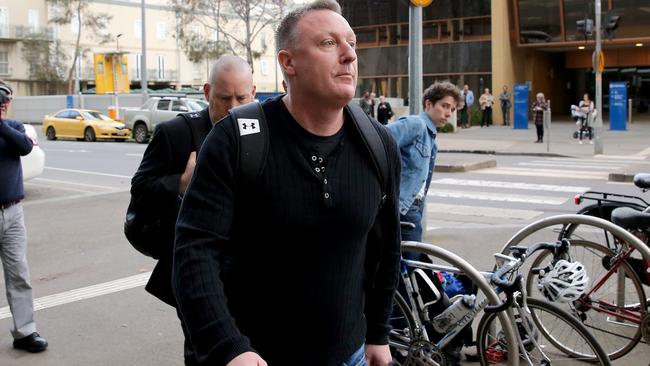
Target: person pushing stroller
(584, 114)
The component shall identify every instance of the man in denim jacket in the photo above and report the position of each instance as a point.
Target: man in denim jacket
(415, 136)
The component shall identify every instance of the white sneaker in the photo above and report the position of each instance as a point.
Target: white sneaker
(591, 142)
(580, 142)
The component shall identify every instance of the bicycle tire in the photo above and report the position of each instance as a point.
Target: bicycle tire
(401, 337)
(562, 355)
(617, 337)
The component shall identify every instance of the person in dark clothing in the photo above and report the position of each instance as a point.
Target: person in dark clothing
(539, 107)
(168, 163)
(300, 266)
(384, 111)
(14, 143)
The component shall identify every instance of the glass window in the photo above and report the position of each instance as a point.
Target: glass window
(575, 10)
(73, 114)
(4, 63)
(161, 30)
(634, 18)
(63, 114)
(94, 115)
(137, 28)
(163, 104)
(539, 21)
(178, 106)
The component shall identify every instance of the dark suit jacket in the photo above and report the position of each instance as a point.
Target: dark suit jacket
(155, 187)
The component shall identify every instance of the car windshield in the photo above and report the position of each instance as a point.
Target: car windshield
(194, 106)
(93, 115)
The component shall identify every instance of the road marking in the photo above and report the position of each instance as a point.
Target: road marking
(137, 155)
(501, 197)
(90, 173)
(644, 152)
(435, 209)
(550, 173)
(620, 157)
(603, 159)
(510, 185)
(47, 180)
(66, 150)
(573, 166)
(77, 196)
(85, 293)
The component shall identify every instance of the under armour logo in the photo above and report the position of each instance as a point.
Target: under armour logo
(248, 126)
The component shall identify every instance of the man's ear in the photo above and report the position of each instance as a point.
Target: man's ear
(285, 60)
(206, 91)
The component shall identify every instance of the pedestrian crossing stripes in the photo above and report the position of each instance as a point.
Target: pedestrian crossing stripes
(502, 214)
(493, 196)
(509, 185)
(573, 166)
(549, 173)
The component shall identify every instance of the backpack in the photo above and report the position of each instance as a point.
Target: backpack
(254, 141)
(144, 230)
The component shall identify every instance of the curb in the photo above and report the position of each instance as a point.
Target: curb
(458, 168)
(494, 152)
(621, 177)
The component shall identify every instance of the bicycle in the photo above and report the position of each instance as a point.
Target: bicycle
(613, 306)
(497, 341)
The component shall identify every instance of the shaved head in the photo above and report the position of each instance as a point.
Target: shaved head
(230, 84)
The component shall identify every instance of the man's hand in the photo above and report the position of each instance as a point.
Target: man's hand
(187, 174)
(249, 359)
(378, 355)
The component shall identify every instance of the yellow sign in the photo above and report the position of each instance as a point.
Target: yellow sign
(421, 3)
(601, 61)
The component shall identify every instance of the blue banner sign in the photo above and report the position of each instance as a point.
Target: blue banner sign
(69, 102)
(521, 106)
(617, 105)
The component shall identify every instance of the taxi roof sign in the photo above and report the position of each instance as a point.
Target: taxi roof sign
(421, 3)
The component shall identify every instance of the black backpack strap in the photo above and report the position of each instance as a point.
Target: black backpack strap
(253, 140)
(373, 142)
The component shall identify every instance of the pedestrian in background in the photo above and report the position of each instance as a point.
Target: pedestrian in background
(465, 111)
(373, 104)
(539, 106)
(384, 111)
(366, 104)
(168, 165)
(298, 267)
(486, 102)
(506, 103)
(14, 143)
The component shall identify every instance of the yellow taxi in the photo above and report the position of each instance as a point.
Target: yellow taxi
(83, 124)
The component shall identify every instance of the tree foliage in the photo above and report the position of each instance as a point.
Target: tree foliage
(69, 10)
(235, 25)
(45, 61)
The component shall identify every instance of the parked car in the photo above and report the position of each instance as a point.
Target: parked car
(83, 124)
(34, 162)
(144, 119)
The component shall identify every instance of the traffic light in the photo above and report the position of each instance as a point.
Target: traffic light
(610, 23)
(585, 27)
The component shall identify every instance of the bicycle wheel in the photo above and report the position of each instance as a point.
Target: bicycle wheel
(617, 336)
(404, 331)
(562, 340)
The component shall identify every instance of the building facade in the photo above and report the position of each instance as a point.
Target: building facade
(168, 67)
(492, 43)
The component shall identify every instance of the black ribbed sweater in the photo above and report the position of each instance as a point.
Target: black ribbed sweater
(293, 267)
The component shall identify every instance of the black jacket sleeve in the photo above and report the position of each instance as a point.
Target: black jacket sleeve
(384, 253)
(202, 236)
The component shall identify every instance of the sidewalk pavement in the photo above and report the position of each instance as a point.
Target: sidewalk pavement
(479, 144)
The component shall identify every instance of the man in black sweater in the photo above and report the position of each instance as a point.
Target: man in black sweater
(14, 143)
(168, 164)
(299, 267)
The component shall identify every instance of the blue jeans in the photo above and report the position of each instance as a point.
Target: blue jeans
(413, 216)
(358, 358)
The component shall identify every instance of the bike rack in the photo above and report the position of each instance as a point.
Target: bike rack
(483, 285)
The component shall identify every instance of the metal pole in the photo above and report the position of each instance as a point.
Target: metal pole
(143, 59)
(415, 59)
(598, 126)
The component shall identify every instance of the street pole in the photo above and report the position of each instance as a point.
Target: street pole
(598, 144)
(415, 59)
(143, 59)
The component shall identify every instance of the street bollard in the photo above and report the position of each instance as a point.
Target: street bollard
(547, 127)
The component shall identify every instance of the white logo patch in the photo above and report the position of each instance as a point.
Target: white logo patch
(248, 126)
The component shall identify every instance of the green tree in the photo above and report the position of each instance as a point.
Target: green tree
(236, 24)
(67, 11)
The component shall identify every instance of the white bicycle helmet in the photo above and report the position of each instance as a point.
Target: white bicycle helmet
(565, 282)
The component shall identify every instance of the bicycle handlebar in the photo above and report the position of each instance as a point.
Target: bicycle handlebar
(508, 288)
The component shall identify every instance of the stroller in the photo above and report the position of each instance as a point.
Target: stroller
(583, 123)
